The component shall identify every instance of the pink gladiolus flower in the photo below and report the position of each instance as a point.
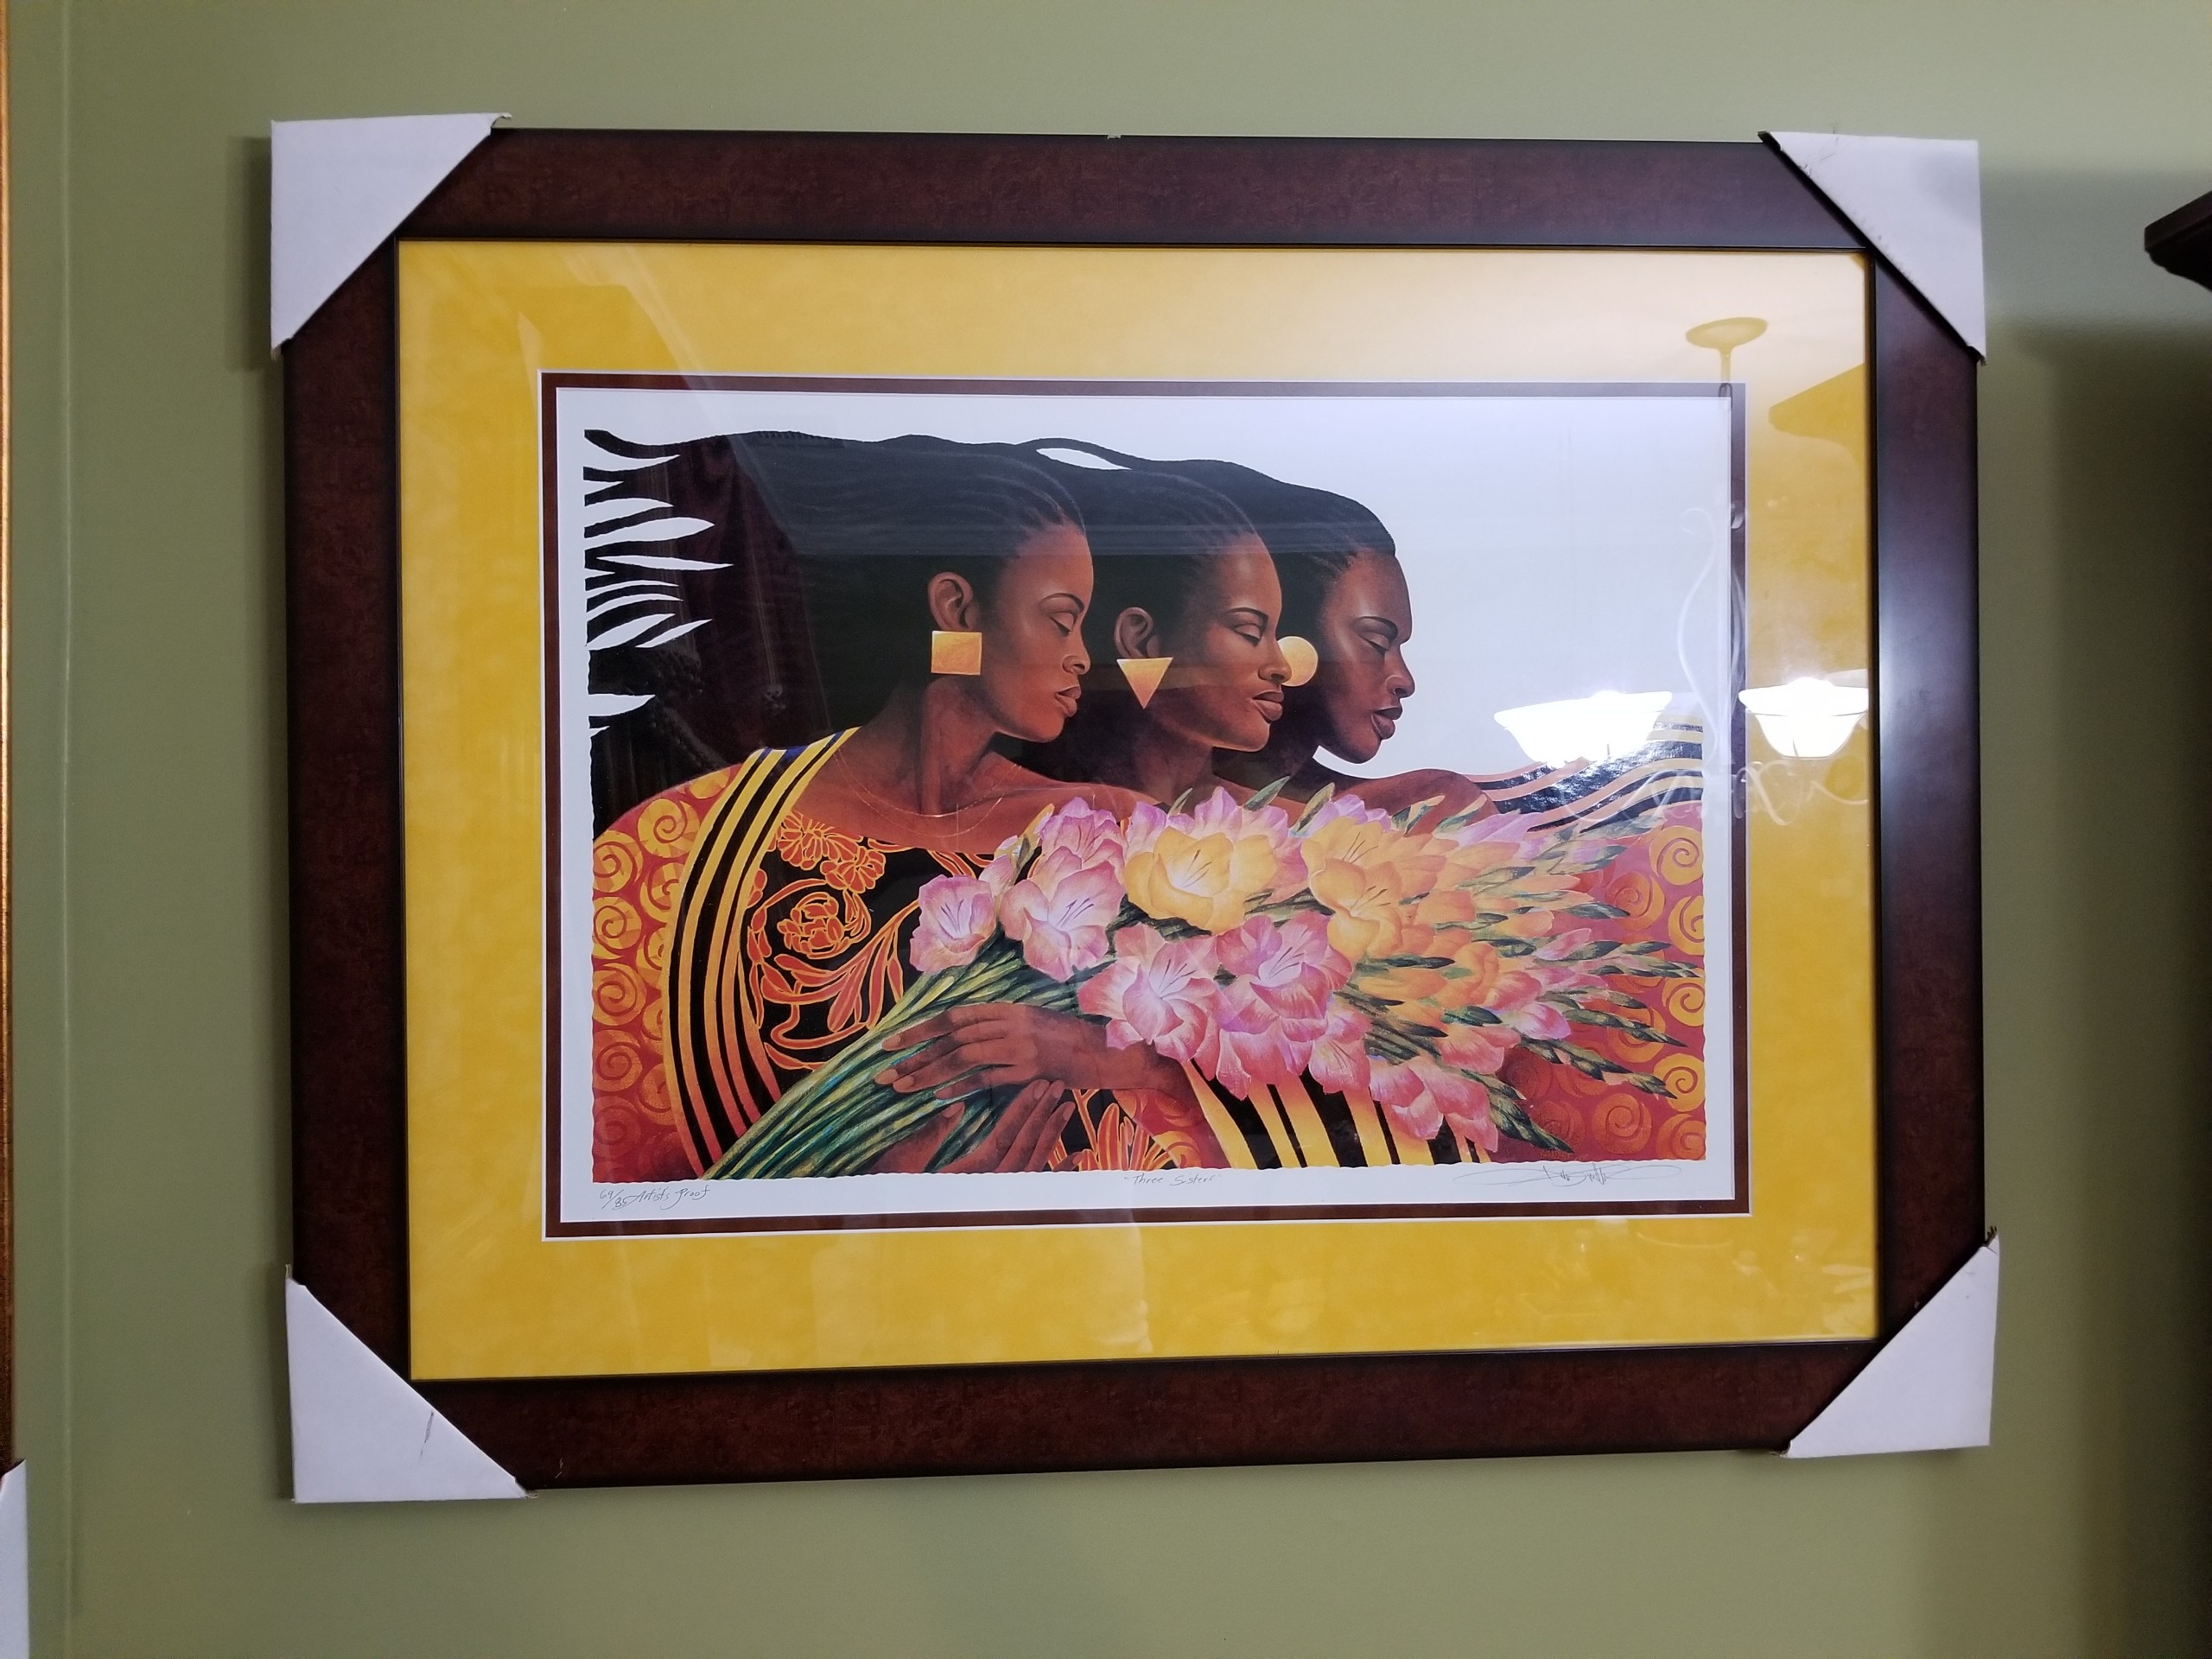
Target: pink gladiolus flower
(1253, 1043)
(1091, 834)
(1339, 1057)
(1477, 1125)
(1480, 1049)
(1405, 1095)
(998, 874)
(1155, 991)
(1559, 944)
(1340, 806)
(1514, 1000)
(1060, 911)
(1538, 1020)
(1290, 966)
(1421, 1097)
(1505, 830)
(1464, 1102)
(957, 920)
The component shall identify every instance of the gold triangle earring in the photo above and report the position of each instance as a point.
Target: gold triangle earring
(956, 651)
(1144, 674)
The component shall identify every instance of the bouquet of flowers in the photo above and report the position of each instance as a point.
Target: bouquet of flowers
(1370, 952)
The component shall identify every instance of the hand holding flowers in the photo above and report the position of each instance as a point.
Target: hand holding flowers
(1376, 953)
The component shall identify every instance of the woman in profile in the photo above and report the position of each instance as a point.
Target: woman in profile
(749, 923)
(1187, 605)
(1344, 593)
(1187, 600)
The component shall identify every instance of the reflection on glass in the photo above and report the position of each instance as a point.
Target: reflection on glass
(1596, 728)
(1723, 335)
(1806, 718)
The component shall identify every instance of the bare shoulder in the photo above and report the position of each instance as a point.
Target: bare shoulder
(1454, 791)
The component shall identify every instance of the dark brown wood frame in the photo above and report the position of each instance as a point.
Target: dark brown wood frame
(349, 1191)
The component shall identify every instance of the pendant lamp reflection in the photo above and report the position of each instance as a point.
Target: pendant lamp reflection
(1806, 718)
(1596, 728)
(1723, 335)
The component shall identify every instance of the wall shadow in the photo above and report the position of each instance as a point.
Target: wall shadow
(2097, 722)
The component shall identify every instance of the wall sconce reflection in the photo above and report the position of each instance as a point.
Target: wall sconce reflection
(1596, 728)
(1806, 718)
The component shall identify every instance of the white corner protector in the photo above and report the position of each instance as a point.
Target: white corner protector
(1919, 201)
(360, 1433)
(338, 188)
(1927, 1389)
(16, 1563)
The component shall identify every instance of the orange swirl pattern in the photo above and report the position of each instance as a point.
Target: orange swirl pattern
(1685, 1001)
(815, 956)
(1659, 881)
(1682, 1137)
(1621, 1126)
(1677, 854)
(1686, 926)
(637, 867)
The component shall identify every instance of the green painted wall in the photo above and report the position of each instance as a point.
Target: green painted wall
(150, 841)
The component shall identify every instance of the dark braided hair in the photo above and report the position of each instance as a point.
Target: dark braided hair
(1313, 534)
(1151, 534)
(873, 522)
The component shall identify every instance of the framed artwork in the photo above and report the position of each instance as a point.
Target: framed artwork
(986, 804)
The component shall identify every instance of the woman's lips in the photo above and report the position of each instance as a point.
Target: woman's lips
(1270, 703)
(1068, 696)
(1386, 721)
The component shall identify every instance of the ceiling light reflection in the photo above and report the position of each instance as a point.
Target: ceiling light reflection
(1596, 728)
(1806, 718)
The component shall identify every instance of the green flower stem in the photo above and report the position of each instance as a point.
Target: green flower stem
(838, 1119)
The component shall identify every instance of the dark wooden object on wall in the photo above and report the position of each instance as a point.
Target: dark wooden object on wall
(349, 1196)
(2182, 241)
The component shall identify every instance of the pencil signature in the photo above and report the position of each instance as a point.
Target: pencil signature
(652, 1195)
(1570, 1175)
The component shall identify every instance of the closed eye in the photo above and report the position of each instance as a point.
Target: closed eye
(1379, 634)
(1250, 627)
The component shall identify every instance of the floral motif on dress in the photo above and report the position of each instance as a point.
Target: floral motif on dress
(823, 935)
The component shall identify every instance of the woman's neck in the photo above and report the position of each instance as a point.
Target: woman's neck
(1158, 765)
(1292, 752)
(925, 752)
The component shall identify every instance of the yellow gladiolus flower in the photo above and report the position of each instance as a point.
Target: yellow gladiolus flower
(1209, 867)
(1363, 870)
(1365, 917)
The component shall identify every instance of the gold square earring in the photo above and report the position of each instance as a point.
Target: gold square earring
(955, 651)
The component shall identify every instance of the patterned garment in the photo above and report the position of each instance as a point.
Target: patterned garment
(1660, 881)
(737, 943)
(785, 939)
